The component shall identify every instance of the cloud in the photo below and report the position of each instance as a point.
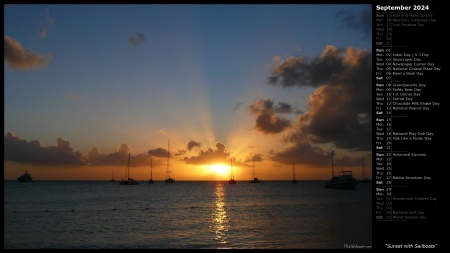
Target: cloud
(48, 21)
(17, 57)
(219, 155)
(313, 156)
(283, 108)
(33, 152)
(117, 158)
(193, 144)
(265, 116)
(254, 157)
(44, 32)
(340, 109)
(361, 22)
(158, 152)
(136, 40)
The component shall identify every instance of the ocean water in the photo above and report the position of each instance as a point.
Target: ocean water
(185, 215)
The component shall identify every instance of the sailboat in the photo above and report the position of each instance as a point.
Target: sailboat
(150, 181)
(232, 181)
(112, 176)
(255, 179)
(128, 180)
(344, 180)
(294, 181)
(364, 179)
(168, 178)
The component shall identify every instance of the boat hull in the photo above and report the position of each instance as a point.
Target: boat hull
(255, 181)
(26, 177)
(343, 186)
(343, 182)
(170, 180)
(128, 182)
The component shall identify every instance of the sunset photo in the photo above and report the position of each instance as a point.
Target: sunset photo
(208, 98)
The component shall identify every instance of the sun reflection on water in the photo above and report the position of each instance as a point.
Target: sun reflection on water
(220, 217)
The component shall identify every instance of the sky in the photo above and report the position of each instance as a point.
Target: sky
(275, 88)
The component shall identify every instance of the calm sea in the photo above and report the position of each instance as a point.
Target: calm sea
(185, 215)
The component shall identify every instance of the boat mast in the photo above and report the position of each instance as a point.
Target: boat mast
(151, 177)
(293, 170)
(253, 172)
(168, 155)
(231, 166)
(128, 167)
(363, 174)
(332, 165)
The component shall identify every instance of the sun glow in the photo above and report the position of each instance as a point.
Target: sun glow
(219, 169)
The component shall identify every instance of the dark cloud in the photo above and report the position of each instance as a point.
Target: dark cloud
(193, 144)
(283, 108)
(299, 111)
(120, 157)
(219, 155)
(333, 67)
(32, 152)
(254, 157)
(136, 40)
(361, 22)
(265, 116)
(340, 109)
(17, 57)
(158, 152)
(180, 152)
(305, 153)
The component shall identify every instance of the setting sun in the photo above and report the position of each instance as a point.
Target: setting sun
(220, 169)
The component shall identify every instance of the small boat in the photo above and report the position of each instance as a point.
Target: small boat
(255, 179)
(344, 180)
(150, 181)
(294, 181)
(232, 181)
(168, 178)
(26, 177)
(128, 180)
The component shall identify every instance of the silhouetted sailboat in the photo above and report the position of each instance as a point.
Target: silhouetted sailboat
(255, 179)
(150, 181)
(168, 178)
(294, 181)
(128, 180)
(112, 176)
(232, 181)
